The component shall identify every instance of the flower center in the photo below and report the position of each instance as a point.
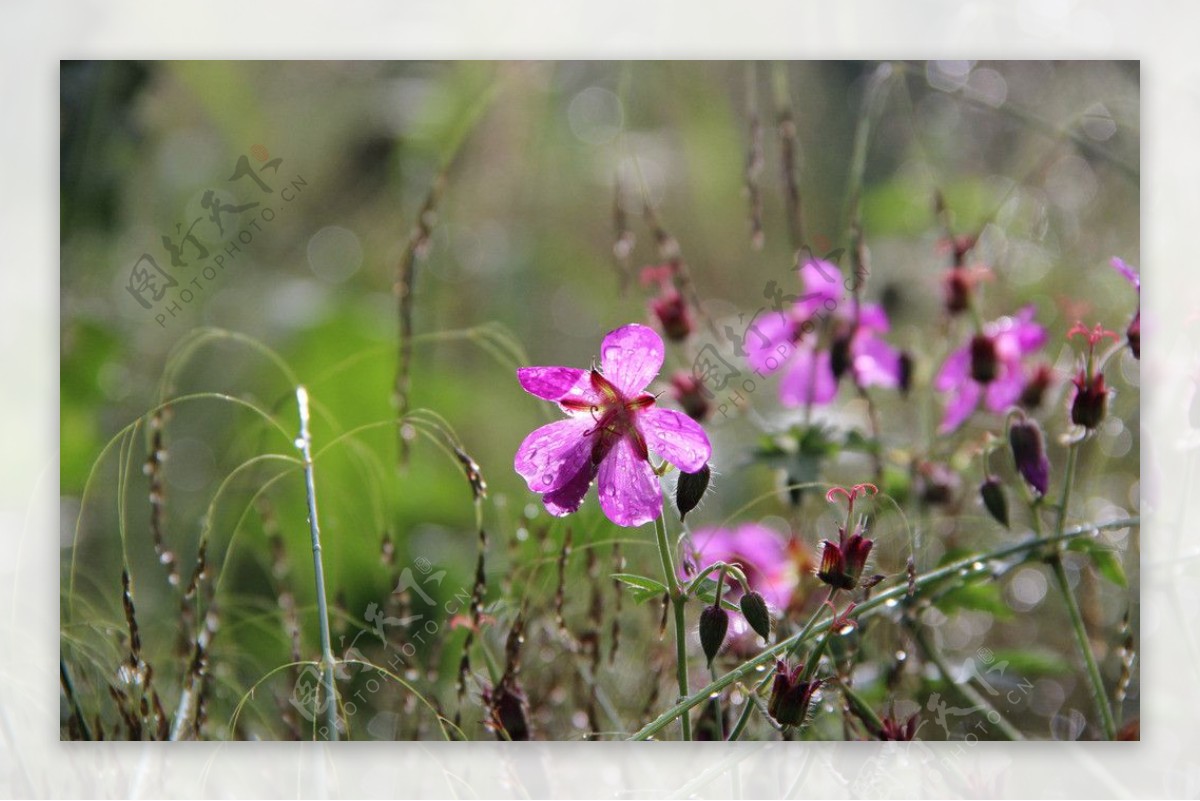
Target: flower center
(615, 416)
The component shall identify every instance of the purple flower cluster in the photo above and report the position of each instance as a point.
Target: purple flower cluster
(812, 372)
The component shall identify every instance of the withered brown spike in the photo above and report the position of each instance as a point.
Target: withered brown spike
(164, 724)
(480, 588)
(595, 610)
(786, 127)
(615, 631)
(655, 687)
(135, 638)
(754, 166)
(464, 667)
(76, 720)
(560, 590)
(472, 471)
(154, 471)
(416, 248)
(512, 648)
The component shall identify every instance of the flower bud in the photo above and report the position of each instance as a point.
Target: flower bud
(714, 623)
(1035, 388)
(690, 488)
(984, 360)
(842, 563)
(672, 313)
(840, 358)
(937, 483)
(1091, 400)
(754, 609)
(1029, 453)
(958, 291)
(791, 697)
(992, 492)
(688, 391)
(906, 370)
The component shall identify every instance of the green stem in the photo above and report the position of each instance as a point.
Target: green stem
(864, 709)
(877, 601)
(304, 442)
(677, 601)
(1081, 636)
(968, 693)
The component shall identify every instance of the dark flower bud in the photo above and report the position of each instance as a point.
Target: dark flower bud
(906, 371)
(893, 729)
(1091, 400)
(1134, 334)
(754, 609)
(992, 492)
(958, 291)
(842, 563)
(790, 697)
(689, 392)
(672, 313)
(1035, 388)
(690, 488)
(714, 623)
(937, 483)
(984, 361)
(1029, 453)
(839, 357)
(508, 711)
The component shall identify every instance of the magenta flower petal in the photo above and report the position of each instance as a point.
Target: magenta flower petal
(764, 338)
(1006, 389)
(1029, 335)
(963, 400)
(567, 499)
(676, 437)
(630, 494)
(800, 380)
(954, 370)
(761, 552)
(872, 316)
(1131, 275)
(553, 454)
(631, 357)
(822, 286)
(558, 383)
(876, 363)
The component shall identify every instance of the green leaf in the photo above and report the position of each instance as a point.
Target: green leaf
(1106, 561)
(644, 588)
(1108, 565)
